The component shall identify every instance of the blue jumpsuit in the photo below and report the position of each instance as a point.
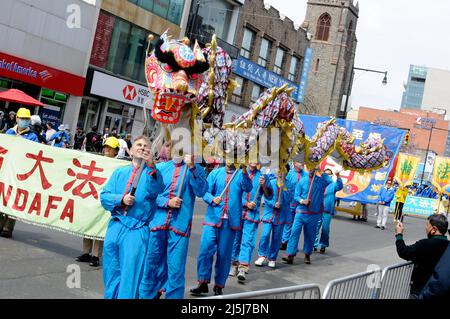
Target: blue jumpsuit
(65, 139)
(273, 221)
(328, 213)
(292, 179)
(245, 240)
(127, 235)
(170, 230)
(308, 216)
(221, 224)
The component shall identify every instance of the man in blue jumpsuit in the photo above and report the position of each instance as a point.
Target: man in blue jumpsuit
(292, 179)
(22, 129)
(127, 235)
(328, 212)
(245, 240)
(171, 227)
(275, 216)
(222, 221)
(309, 194)
(61, 138)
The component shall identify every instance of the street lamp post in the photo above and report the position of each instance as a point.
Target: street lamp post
(350, 84)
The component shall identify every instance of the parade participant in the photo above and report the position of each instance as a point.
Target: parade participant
(127, 235)
(328, 212)
(400, 197)
(222, 221)
(292, 179)
(78, 139)
(245, 240)
(23, 130)
(386, 196)
(170, 228)
(309, 194)
(50, 131)
(275, 216)
(92, 249)
(36, 128)
(61, 138)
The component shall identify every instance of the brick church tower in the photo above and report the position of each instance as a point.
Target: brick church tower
(331, 25)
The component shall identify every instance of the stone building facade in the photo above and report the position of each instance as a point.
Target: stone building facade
(331, 24)
(270, 41)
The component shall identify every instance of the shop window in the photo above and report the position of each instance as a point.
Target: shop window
(237, 94)
(256, 92)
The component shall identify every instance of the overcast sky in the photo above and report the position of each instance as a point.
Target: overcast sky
(392, 34)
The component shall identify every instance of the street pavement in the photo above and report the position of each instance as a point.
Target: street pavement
(34, 263)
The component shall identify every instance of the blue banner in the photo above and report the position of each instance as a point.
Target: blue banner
(256, 73)
(362, 188)
(417, 206)
(304, 79)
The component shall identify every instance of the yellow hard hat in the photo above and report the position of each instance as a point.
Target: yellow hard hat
(112, 142)
(23, 113)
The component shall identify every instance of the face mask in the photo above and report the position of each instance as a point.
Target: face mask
(23, 124)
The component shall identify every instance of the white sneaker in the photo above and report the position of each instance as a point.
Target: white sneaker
(233, 271)
(241, 275)
(271, 264)
(260, 261)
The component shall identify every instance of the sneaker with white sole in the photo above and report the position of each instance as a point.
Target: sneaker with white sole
(233, 271)
(271, 264)
(241, 275)
(260, 261)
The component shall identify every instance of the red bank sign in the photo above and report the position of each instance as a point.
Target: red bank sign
(40, 75)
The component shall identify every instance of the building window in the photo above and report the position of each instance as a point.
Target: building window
(323, 27)
(237, 93)
(293, 69)
(214, 17)
(316, 68)
(256, 91)
(126, 55)
(170, 10)
(279, 61)
(247, 43)
(264, 52)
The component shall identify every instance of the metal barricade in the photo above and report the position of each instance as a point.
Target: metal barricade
(395, 281)
(311, 291)
(359, 286)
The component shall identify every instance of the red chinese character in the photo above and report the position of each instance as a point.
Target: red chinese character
(38, 158)
(88, 179)
(3, 151)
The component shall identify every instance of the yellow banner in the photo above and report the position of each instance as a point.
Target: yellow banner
(441, 174)
(53, 187)
(406, 169)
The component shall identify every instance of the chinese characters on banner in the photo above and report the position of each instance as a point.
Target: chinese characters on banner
(364, 188)
(406, 169)
(58, 188)
(441, 174)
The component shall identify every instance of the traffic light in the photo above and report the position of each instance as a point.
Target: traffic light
(407, 138)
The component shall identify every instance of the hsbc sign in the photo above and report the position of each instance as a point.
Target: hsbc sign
(119, 90)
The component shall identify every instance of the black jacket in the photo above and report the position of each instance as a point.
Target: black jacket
(425, 254)
(438, 287)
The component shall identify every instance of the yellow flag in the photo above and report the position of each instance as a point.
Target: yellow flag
(441, 174)
(406, 169)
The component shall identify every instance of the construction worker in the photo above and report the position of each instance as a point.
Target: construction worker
(22, 129)
(309, 194)
(222, 221)
(275, 216)
(92, 249)
(126, 238)
(245, 240)
(170, 228)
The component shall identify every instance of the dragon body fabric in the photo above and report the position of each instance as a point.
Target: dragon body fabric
(191, 88)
